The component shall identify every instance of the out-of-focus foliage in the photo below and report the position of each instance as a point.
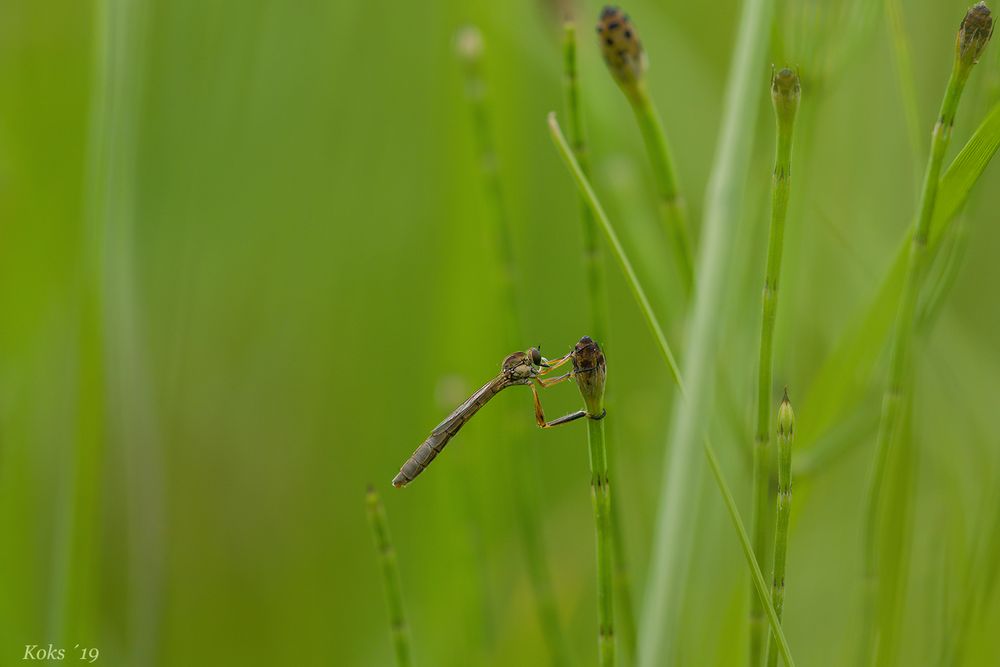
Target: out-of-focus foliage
(278, 207)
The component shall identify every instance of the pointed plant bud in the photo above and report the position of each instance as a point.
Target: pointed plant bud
(973, 35)
(621, 47)
(591, 372)
(785, 93)
(786, 418)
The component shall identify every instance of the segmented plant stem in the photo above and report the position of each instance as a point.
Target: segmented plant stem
(470, 47)
(625, 57)
(786, 434)
(390, 578)
(785, 94)
(683, 472)
(583, 185)
(893, 399)
(600, 490)
(755, 574)
(672, 209)
(592, 261)
(597, 291)
(639, 293)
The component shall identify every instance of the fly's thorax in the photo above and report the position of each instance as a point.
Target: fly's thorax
(518, 366)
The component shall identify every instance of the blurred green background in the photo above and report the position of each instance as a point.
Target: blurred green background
(246, 265)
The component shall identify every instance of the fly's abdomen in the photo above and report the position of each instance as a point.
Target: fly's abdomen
(445, 431)
(421, 458)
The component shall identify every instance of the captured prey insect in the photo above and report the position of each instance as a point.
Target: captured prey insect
(519, 368)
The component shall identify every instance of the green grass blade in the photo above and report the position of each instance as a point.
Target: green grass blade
(755, 573)
(833, 392)
(593, 263)
(683, 471)
(904, 74)
(584, 186)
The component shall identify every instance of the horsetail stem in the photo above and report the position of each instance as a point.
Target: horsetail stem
(469, 49)
(592, 260)
(677, 512)
(583, 185)
(591, 372)
(786, 435)
(390, 578)
(639, 293)
(627, 63)
(755, 574)
(785, 93)
(973, 35)
(594, 267)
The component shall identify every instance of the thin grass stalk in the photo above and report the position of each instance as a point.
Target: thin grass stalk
(627, 62)
(637, 290)
(973, 35)
(469, 45)
(904, 75)
(593, 263)
(755, 574)
(589, 360)
(786, 435)
(583, 184)
(832, 392)
(391, 580)
(683, 471)
(600, 487)
(785, 95)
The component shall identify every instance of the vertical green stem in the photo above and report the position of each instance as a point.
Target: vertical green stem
(672, 209)
(390, 578)
(596, 287)
(785, 95)
(683, 470)
(904, 75)
(972, 38)
(755, 574)
(592, 260)
(595, 206)
(470, 48)
(626, 60)
(786, 434)
(583, 185)
(600, 490)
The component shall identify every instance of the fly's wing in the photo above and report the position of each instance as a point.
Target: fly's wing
(446, 430)
(470, 407)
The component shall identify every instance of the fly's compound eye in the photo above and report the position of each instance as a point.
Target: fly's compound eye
(536, 356)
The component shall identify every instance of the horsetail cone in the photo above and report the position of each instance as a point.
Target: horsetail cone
(785, 94)
(786, 418)
(591, 374)
(973, 35)
(621, 47)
